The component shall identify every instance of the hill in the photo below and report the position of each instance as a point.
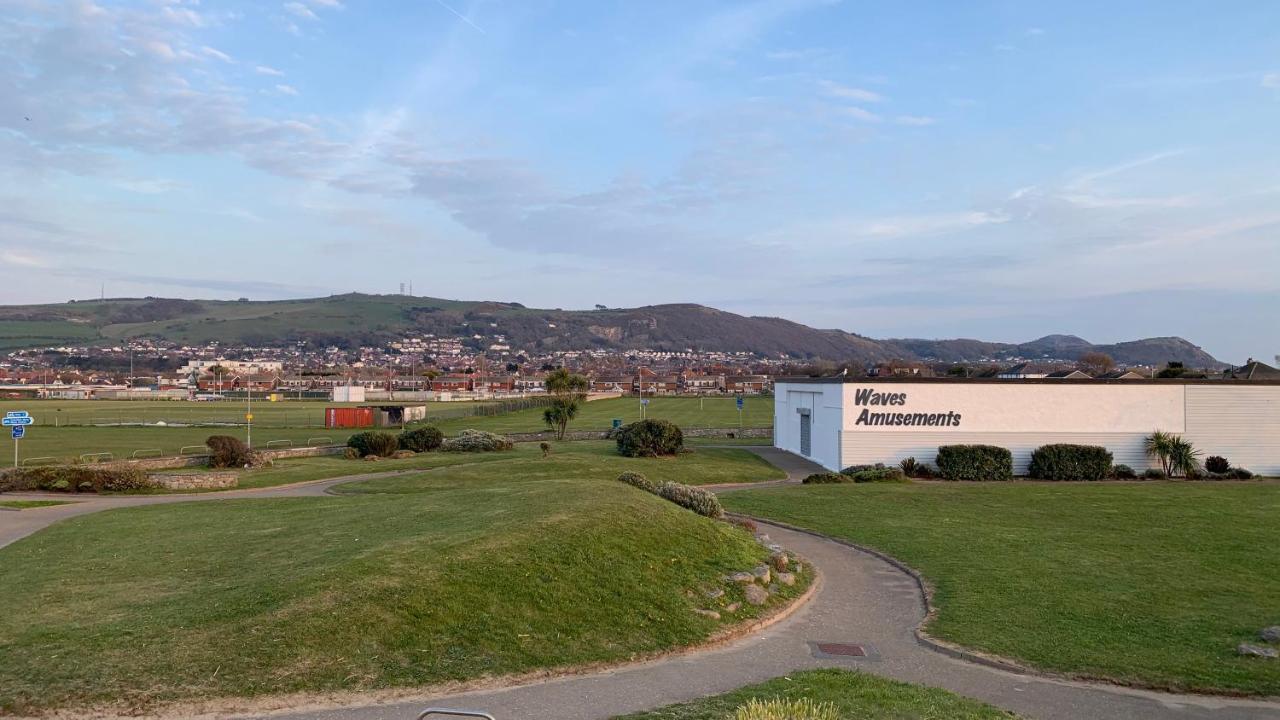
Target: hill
(355, 319)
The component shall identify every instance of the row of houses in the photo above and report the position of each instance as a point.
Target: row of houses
(644, 382)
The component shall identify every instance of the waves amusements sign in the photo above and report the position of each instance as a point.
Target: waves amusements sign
(870, 400)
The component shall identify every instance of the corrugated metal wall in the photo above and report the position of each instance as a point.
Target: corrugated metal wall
(1241, 424)
(862, 447)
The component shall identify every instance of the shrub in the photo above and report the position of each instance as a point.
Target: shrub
(826, 478)
(1123, 472)
(74, 478)
(650, 438)
(635, 479)
(1155, 474)
(881, 474)
(914, 469)
(545, 447)
(1176, 454)
(381, 444)
(975, 462)
(786, 709)
(351, 453)
(1240, 474)
(1064, 461)
(423, 439)
(703, 502)
(1216, 464)
(226, 452)
(477, 441)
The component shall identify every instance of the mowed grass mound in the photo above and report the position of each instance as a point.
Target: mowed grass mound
(585, 460)
(1146, 583)
(467, 574)
(853, 694)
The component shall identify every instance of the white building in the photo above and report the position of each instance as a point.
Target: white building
(838, 422)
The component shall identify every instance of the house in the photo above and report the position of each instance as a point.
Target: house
(493, 383)
(451, 383)
(530, 383)
(701, 384)
(1068, 375)
(1122, 375)
(1254, 370)
(1021, 371)
(657, 385)
(746, 384)
(611, 384)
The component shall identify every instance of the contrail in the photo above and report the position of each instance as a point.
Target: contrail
(461, 17)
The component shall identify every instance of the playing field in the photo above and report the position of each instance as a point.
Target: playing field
(465, 571)
(68, 429)
(1152, 583)
(712, 412)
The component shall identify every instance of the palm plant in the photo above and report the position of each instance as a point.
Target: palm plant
(1177, 455)
(559, 413)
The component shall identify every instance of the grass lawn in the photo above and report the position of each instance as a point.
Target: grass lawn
(687, 412)
(516, 564)
(1149, 583)
(28, 504)
(854, 694)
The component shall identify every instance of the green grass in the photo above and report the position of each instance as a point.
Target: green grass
(28, 504)
(854, 694)
(448, 575)
(266, 414)
(717, 412)
(1147, 583)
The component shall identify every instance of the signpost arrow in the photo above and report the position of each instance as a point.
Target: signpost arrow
(17, 413)
(12, 421)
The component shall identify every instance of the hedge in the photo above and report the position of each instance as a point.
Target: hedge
(650, 438)
(423, 439)
(975, 462)
(74, 478)
(704, 502)
(471, 440)
(826, 478)
(1064, 461)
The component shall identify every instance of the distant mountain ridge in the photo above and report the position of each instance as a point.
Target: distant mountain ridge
(357, 319)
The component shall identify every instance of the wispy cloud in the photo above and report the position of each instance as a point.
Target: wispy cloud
(300, 10)
(915, 120)
(847, 92)
(286, 89)
(268, 70)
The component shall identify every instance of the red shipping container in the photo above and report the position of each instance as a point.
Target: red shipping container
(348, 417)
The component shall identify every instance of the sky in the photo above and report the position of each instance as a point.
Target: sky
(999, 170)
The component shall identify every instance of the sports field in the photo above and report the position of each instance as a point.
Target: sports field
(1153, 583)
(69, 429)
(517, 564)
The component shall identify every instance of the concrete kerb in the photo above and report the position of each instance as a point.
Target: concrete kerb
(958, 652)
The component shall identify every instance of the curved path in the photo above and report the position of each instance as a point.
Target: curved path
(861, 600)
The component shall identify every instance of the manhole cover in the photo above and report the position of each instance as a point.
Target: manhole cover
(838, 650)
(846, 649)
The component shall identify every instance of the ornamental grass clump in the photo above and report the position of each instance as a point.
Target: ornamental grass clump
(784, 709)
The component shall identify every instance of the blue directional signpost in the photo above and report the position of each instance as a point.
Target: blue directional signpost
(18, 420)
(741, 402)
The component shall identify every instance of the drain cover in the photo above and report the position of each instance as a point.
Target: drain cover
(845, 649)
(840, 650)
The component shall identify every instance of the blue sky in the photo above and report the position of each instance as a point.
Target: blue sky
(999, 170)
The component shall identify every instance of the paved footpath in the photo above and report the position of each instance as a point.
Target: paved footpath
(861, 600)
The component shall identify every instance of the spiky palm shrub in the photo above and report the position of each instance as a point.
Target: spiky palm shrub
(779, 709)
(1177, 456)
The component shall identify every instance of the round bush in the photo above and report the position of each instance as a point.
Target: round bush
(1123, 472)
(975, 462)
(379, 444)
(1064, 461)
(227, 452)
(703, 502)
(650, 438)
(1154, 474)
(423, 439)
(1216, 464)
